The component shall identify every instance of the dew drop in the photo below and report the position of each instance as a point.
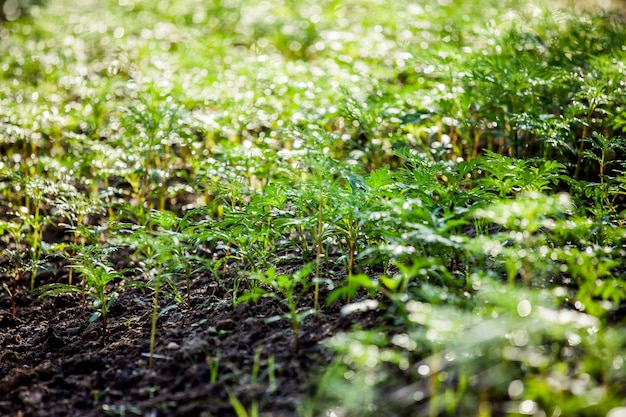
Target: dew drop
(516, 389)
(524, 308)
(423, 370)
(527, 407)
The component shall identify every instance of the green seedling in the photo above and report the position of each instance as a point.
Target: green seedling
(171, 243)
(74, 208)
(163, 260)
(602, 152)
(288, 289)
(214, 367)
(361, 201)
(271, 371)
(155, 128)
(11, 293)
(318, 197)
(590, 99)
(38, 192)
(98, 277)
(17, 266)
(318, 246)
(16, 263)
(240, 409)
(256, 365)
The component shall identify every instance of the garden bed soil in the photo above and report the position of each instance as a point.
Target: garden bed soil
(53, 362)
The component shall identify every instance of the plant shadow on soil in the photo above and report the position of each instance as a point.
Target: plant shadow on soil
(53, 361)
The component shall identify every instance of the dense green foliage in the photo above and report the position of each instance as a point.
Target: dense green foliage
(455, 165)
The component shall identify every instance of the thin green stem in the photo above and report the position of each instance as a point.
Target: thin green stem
(155, 317)
(318, 258)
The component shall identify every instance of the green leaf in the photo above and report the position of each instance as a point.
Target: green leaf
(357, 184)
(58, 288)
(354, 283)
(392, 284)
(380, 178)
(95, 316)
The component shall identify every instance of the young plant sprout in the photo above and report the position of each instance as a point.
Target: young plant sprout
(288, 289)
(98, 278)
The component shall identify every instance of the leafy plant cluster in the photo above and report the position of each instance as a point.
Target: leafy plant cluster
(464, 179)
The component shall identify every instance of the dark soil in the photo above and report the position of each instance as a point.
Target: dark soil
(53, 362)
